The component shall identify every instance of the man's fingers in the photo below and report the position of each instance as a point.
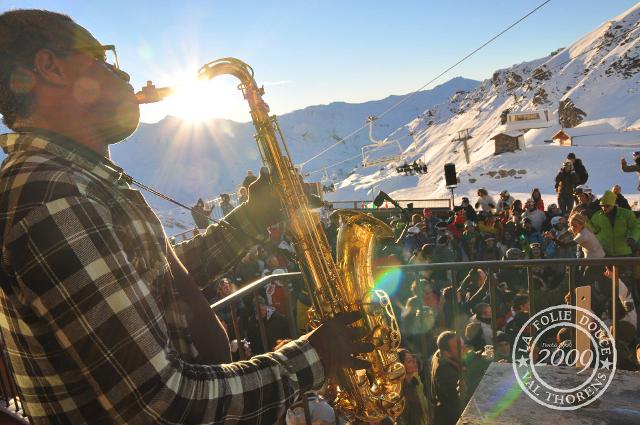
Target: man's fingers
(348, 317)
(356, 363)
(356, 334)
(361, 347)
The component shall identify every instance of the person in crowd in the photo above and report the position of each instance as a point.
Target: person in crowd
(505, 202)
(200, 215)
(471, 239)
(635, 167)
(275, 323)
(487, 224)
(616, 228)
(503, 353)
(419, 317)
(446, 378)
(489, 250)
(416, 411)
(532, 213)
(566, 181)
(530, 234)
(508, 241)
(558, 242)
(584, 237)
(413, 241)
(430, 220)
(514, 277)
(243, 195)
(536, 197)
(249, 178)
(520, 303)
(482, 315)
(320, 411)
(485, 202)
(103, 317)
(621, 201)
(552, 211)
(516, 207)
(225, 203)
(587, 203)
(470, 212)
(455, 224)
(578, 166)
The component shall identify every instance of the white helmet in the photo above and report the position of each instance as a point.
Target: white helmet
(583, 188)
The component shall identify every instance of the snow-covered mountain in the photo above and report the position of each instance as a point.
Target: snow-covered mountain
(599, 74)
(191, 160)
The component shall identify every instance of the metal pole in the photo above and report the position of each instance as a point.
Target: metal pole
(236, 329)
(531, 289)
(614, 303)
(494, 304)
(572, 285)
(261, 326)
(291, 317)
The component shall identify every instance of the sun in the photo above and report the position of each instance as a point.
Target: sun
(196, 100)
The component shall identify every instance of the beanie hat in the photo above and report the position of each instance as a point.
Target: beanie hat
(609, 198)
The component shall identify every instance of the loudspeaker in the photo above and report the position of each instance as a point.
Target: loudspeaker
(450, 174)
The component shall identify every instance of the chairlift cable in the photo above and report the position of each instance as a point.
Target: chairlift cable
(409, 95)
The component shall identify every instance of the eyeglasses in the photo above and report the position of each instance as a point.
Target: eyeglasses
(105, 54)
(102, 53)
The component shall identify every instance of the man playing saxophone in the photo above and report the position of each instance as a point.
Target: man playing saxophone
(103, 322)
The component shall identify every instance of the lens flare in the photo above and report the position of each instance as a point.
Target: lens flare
(389, 281)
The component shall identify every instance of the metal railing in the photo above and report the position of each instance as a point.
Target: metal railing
(417, 203)
(491, 266)
(251, 290)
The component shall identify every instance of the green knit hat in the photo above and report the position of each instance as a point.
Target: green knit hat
(609, 198)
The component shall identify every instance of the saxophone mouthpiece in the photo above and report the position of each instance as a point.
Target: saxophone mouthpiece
(151, 94)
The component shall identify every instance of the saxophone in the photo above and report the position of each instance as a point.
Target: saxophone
(334, 286)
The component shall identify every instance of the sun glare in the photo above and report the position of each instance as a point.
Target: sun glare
(196, 100)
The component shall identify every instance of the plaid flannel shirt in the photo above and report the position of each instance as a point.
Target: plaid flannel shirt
(88, 311)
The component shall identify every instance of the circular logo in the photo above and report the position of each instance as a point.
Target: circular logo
(588, 365)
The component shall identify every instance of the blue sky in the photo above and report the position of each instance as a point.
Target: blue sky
(315, 52)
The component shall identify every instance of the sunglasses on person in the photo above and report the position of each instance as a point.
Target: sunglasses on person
(105, 54)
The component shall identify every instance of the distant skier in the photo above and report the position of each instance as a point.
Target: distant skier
(579, 168)
(631, 168)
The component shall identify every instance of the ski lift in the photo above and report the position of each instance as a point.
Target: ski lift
(381, 152)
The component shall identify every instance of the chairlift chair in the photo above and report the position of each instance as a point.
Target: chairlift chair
(380, 152)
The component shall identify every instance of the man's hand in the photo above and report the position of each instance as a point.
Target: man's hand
(336, 343)
(263, 205)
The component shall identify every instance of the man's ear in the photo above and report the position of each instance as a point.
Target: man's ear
(48, 66)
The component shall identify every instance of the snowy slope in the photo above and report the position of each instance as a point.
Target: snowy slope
(187, 161)
(600, 73)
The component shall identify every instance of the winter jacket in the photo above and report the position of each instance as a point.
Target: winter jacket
(537, 218)
(486, 203)
(566, 182)
(630, 169)
(622, 202)
(505, 204)
(589, 243)
(581, 171)
(614, 238)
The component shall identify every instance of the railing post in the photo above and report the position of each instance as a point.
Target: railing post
(494, 303)
(572, 285)
(236, 329)
(532, 304)
(614, 303)
(291, 318)
(261, 327)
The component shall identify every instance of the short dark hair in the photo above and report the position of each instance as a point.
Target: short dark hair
(443, 340)
(22, 33)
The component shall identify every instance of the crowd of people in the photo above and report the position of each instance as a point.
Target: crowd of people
(446, 315)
